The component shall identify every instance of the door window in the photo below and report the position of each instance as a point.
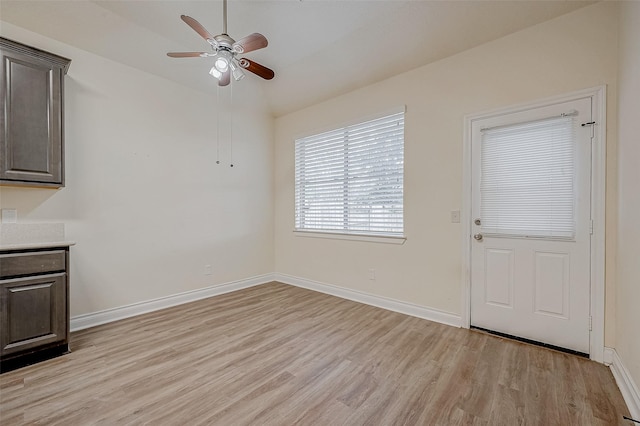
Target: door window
(528, 179)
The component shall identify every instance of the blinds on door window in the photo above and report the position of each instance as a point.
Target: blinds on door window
(350, 180)
(527, 179)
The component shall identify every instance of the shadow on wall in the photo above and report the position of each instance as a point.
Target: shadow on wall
(15, 198)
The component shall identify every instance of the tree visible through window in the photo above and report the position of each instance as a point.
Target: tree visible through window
(350, 180)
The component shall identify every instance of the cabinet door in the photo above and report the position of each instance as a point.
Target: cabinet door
(31, 137)
(32, 312)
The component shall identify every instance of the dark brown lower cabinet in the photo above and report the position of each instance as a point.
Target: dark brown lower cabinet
(34, 308)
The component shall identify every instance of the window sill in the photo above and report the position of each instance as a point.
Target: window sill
(352, 237)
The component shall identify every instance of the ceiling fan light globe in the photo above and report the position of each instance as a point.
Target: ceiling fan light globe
(221, 64)
(214, 72)
(238, 74)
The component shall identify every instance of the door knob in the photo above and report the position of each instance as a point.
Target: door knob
(477, 222)
(478, 237)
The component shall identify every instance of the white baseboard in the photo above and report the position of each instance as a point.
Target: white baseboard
(372, 299)
(93, 319)
(625, 382)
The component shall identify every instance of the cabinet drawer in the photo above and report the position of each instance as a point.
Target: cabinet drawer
(16, 264)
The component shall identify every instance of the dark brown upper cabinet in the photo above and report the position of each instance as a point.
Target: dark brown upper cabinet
(32, 119)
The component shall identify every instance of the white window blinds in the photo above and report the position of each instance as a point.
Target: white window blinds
(350, 180)
(527, 179)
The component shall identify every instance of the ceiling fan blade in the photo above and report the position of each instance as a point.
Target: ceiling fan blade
(225, 79)
(250, 43)
(187, 54)
(197, 27)
(256, 68)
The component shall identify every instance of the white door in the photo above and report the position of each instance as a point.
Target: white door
(531, 230)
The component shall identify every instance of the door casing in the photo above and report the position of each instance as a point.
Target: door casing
(598, 182)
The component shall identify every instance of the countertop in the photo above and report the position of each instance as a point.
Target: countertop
(43, 244)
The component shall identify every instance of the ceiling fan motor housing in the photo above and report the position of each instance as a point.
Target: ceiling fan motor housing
(225, 42)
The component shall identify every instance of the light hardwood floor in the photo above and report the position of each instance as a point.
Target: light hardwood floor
(280, 355)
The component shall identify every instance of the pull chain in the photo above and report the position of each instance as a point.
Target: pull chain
(231, 129)
(230, 109)
(217, 124)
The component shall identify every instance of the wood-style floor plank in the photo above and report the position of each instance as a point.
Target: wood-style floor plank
(281, 355)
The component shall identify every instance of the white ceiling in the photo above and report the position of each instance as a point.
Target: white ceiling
(317, 48)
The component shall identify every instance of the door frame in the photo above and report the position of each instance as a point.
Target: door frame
(598, 205)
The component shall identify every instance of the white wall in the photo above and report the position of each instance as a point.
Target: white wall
(628, 266)
(572, 52)
(144, 199)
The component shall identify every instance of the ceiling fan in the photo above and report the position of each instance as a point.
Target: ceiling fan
(225, 51)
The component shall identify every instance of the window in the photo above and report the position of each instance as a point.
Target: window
(527, 182)
(350, 180)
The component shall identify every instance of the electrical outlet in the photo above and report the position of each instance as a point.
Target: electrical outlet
(372, 274)
(208, 270)
(9, 216)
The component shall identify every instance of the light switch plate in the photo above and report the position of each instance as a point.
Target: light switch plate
(9, 216)
(455, 216)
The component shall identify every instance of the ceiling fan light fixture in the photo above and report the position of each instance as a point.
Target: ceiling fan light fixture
(221, 64)
(237, 73)
(214, 72)
(223, 59)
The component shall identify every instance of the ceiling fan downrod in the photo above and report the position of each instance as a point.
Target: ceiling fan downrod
(224, 17)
